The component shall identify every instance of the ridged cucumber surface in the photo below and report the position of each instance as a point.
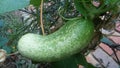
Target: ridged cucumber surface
(70, 39)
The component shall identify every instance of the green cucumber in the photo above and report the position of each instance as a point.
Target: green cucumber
(70, 39)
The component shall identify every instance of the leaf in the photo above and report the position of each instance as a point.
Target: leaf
(35, 2)
(110, 2)
(86, 8)
(10, 5)
(1, 23)
(72, 62)
(3, 41)
(7, 48)
(81, 7)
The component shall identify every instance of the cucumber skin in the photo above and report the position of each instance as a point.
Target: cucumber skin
(70, 39)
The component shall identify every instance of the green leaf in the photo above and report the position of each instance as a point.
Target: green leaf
(1, 24)
(35, 2)
(3, 41)
(10, 5)
(110, 2)
(72, 62)
(7, 48)
(83, 6)
(80, 7)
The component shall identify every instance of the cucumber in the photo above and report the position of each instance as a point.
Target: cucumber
(70, 39)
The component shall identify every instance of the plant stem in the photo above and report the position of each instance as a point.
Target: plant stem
(41, 21)
(61, 10)
(13, 53)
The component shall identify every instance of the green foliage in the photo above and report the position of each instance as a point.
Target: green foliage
(89, 10)
(72, 62)
(1, 24)
(10, 5)
(110, 2)
(36, 3)
(3, 44)
(10, 31)
(80, 7)
(7, 48)
(3, 41)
